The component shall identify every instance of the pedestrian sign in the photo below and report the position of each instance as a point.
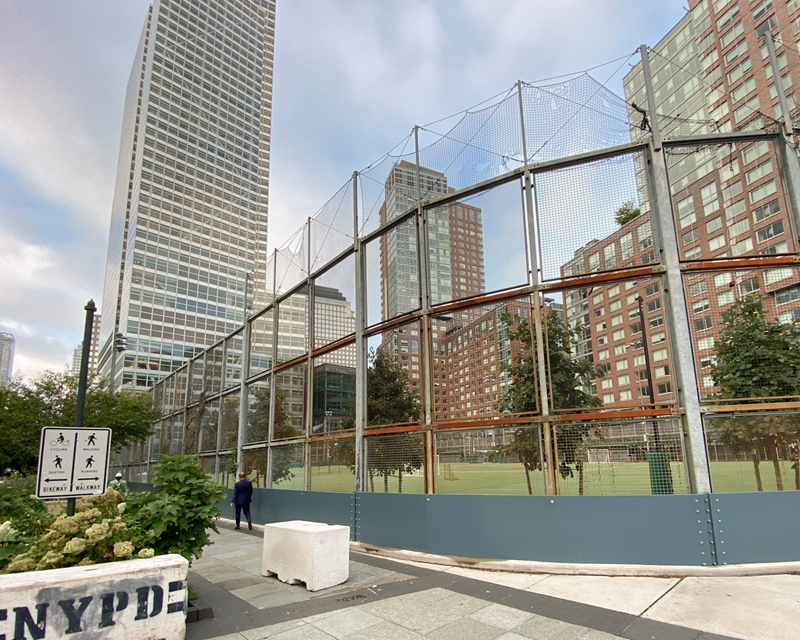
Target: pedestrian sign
(72, 462)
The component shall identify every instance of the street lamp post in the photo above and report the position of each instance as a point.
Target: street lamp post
(657, 461)
(656, 435)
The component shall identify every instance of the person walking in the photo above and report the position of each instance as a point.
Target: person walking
(242, 497)
(119, 485)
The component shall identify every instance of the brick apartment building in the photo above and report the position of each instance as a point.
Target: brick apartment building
(711, 72)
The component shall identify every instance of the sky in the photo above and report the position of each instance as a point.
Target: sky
(352, 77)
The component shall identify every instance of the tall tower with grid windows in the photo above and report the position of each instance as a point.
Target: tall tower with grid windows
(189, 216)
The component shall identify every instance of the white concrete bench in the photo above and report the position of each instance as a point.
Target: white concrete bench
(124, 600)
(311, 552)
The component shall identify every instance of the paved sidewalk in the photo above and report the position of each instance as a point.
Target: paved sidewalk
(400, 600)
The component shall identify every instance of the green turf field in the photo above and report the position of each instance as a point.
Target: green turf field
(623, 478)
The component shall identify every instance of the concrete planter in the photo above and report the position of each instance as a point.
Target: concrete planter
(136, 599)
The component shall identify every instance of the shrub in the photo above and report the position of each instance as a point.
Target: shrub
(95, 534)
(18, 504)
(179, 512)
(23, 517)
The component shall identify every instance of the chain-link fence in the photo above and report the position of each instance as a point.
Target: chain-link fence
(537, 300)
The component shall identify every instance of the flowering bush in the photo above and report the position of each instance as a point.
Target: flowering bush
(96, 533)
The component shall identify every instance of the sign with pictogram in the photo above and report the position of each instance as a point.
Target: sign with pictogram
(73, 462)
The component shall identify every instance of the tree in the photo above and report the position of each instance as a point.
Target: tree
(626, 213)
(757, 359)
(49, 400)
(569, 379)
(258, 429)
(389, 401)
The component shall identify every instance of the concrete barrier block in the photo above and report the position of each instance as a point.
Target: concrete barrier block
(311, 552)
(131, 599)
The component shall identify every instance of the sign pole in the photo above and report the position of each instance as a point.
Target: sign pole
(83, 379)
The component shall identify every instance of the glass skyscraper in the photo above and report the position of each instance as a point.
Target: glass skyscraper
(189, 217)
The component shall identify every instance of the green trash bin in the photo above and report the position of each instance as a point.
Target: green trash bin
(660, 473)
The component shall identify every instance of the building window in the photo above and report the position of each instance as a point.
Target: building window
(749, 285)
(686, 212)
(705, 343)
(790, 294)
(706, 362)
(645, 236)
(724, 298)
(610, 255)
(653, 305)
(664, 387)
(716, 243)
(765, 190)
(701, 324)
(697, 288)
(714, 225)
(691, 236)
(770, 231)
(765, 211)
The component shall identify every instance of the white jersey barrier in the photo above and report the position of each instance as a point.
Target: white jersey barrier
(130, 599)
(311, 552)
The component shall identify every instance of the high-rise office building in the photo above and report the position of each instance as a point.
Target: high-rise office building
(189, 217)
(94, 349)
(455, 250)
(7, 343)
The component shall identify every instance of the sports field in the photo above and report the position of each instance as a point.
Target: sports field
(603, 478)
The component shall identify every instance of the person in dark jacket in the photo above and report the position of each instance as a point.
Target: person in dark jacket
(242, 497)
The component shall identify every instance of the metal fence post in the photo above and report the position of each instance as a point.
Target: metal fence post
(426, 348)
(786, 146)
(309, 391)
(361, 344)
(243, 390)
(682, 350)
(537, 324)
(272, 382)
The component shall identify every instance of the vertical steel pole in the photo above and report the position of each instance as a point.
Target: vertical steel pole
(243, 390)
(776, 78)
(682, 349)
(83, 378)
(426, 348)
(537, 328)
(309, 391)
(273, 385)
(786, 147)
(361, 344)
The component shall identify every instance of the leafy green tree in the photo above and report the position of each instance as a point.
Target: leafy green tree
(175, 517)
(49, 400)
(258, 429)
(569, 379)
(390, 400)
(757, 359)
(626, 213)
